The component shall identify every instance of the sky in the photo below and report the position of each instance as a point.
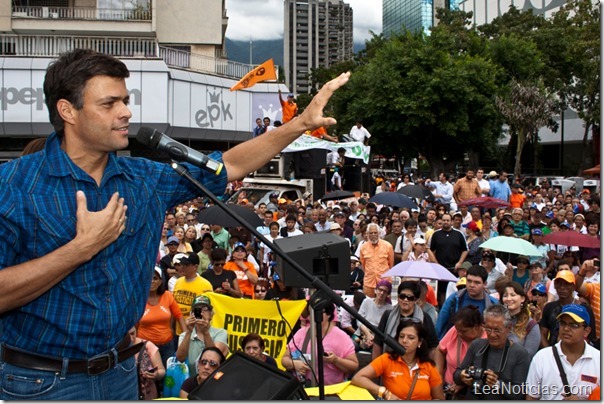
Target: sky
(263, 19)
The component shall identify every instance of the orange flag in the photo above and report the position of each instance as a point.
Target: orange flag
(266, 71)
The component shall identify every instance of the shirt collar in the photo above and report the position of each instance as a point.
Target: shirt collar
(61, 165)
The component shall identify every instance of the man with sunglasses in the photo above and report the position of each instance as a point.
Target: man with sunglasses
(475, 294)
(580, 362)
(407, 308)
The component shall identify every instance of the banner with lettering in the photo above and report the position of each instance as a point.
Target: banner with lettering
(354, 150)
(239, 317)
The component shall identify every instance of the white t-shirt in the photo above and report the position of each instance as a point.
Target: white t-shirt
(359, 134)
(543, 380)
(485, 187)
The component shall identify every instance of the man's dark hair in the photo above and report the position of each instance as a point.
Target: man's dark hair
(477, 270)
(410, 222)
(290, 218)
(218, 254)
(67, 76)
(341, 149)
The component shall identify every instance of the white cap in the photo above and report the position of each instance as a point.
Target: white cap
(419, 240)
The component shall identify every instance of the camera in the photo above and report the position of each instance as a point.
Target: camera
(197, 312)
(478, 377)
(534, 302)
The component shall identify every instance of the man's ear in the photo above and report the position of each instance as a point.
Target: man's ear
(66, 110)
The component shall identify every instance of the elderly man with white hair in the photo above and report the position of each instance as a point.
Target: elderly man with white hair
(376, 256)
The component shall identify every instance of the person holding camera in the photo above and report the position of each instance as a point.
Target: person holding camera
(494, 368)
(200, 334)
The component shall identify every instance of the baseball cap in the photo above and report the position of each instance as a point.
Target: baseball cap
(173, 239)
(202, 300)
(565, 224)
(473, 226)
(537, 232)
(290, 95)
(540, 288)
(461, 282)
(419, 240)
(274, 195)
(466, 265)
(354, 258)
(577, 312)
(188, 258)
(585, 191)
(158, 271)
(566, 275)
(493, 174)
(458, 213)
(282, 200)
(334, 226)
(237, 245)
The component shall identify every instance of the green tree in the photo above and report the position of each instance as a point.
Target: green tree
(526, 108)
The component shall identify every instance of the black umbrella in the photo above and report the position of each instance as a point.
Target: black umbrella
(335, 195)
(417, 191)
(216, 215)
(394, 199)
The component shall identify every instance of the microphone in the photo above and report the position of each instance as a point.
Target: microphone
(156, 140)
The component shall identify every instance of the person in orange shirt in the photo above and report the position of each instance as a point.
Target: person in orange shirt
(245, 271)
(321, 133)
(289, 108)
(376, 256)
(413, 376)
(517, 197)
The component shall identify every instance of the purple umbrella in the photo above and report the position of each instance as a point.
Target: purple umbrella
(421, 269)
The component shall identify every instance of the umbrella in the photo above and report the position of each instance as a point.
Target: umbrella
(592, 171)
(416, 191)
(421, 269)
(486, 202)
(335, 195)
(571, 238)
(393, 199)
(217, 215)
(511, 245)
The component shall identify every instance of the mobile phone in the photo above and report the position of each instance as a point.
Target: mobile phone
(325, 354)
(152, 370)
(197, 312)
(597, 263)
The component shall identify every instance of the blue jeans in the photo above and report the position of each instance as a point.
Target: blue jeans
(119, 383)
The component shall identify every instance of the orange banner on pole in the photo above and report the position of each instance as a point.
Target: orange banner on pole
(266, 71)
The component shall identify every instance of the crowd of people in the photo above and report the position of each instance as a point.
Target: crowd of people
(487, 333)
(95, 294)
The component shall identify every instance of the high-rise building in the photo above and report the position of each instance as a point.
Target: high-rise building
(318, 33)
(414, 15)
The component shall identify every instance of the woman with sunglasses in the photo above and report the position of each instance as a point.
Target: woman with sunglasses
(412, 376)
(538, 296)
(525, 330)
(408, 294)
(261, 289)
(211, 358)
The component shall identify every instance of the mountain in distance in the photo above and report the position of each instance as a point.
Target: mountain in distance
(239, 51)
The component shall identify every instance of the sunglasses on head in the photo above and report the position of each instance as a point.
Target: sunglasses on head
(210, 362)
(409, 298)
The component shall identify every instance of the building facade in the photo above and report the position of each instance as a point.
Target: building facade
(413, 15)
(317, 33)
(179, 80)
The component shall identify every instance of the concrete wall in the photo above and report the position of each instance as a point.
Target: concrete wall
(189, 22)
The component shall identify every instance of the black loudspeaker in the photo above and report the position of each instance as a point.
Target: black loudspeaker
(308, 163)
(323, 255)
(242, 377)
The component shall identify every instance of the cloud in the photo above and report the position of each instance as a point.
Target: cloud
(263, 19)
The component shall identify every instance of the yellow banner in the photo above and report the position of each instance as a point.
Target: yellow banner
(266, 71)
(239, 317)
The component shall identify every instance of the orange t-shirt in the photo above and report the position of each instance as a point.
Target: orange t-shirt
(288, 110)
(397, 377)
(593, 294)
(517, 200)
(319, 132)
(154, 324)
(246, 287)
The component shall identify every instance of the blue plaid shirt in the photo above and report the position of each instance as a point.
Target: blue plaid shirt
(93, 308)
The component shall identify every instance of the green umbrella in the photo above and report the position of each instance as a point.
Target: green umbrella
(511, 245)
